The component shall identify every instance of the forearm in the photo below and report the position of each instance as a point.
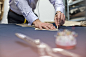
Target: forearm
(26, 10)
(58, 5)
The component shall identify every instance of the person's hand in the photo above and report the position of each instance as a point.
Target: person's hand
(59, 18)
(41, 25)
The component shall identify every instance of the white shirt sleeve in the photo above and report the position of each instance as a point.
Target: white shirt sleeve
(26, 10)
(58, 5)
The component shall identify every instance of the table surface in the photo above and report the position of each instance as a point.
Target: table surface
(12, 46)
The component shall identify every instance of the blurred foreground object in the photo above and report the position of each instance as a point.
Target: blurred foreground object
(66, 39)
(1, 9)
(43, 49)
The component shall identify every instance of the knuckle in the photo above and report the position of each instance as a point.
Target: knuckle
(58, 17)
(59, 12)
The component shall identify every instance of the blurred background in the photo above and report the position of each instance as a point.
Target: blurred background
(74, 10)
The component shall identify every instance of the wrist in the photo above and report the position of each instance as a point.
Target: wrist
(58, 12)
(36, 21)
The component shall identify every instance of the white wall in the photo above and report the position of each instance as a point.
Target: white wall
(6, 8)
(45, 10)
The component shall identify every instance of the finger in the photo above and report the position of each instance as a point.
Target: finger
(59, 18)
(40, 27)
(51, 27)
(56, 21)
(62, 16)
(54, 27)
(45, 27)
(62, 19)
(62, 22)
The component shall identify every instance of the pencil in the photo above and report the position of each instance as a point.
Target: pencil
(57, 26)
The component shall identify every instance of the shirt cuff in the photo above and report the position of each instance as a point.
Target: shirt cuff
(59, 9)
(31, 18)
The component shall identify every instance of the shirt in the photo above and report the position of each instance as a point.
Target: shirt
(26, 7)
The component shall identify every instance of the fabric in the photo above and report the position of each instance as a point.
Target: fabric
(26, 8)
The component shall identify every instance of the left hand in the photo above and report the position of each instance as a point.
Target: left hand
(42, 25)
(59, 18)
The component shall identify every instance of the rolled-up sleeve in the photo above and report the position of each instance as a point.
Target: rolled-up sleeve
(58, 5)
(26, 10)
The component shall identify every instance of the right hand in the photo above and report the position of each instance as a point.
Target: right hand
(59, 18)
